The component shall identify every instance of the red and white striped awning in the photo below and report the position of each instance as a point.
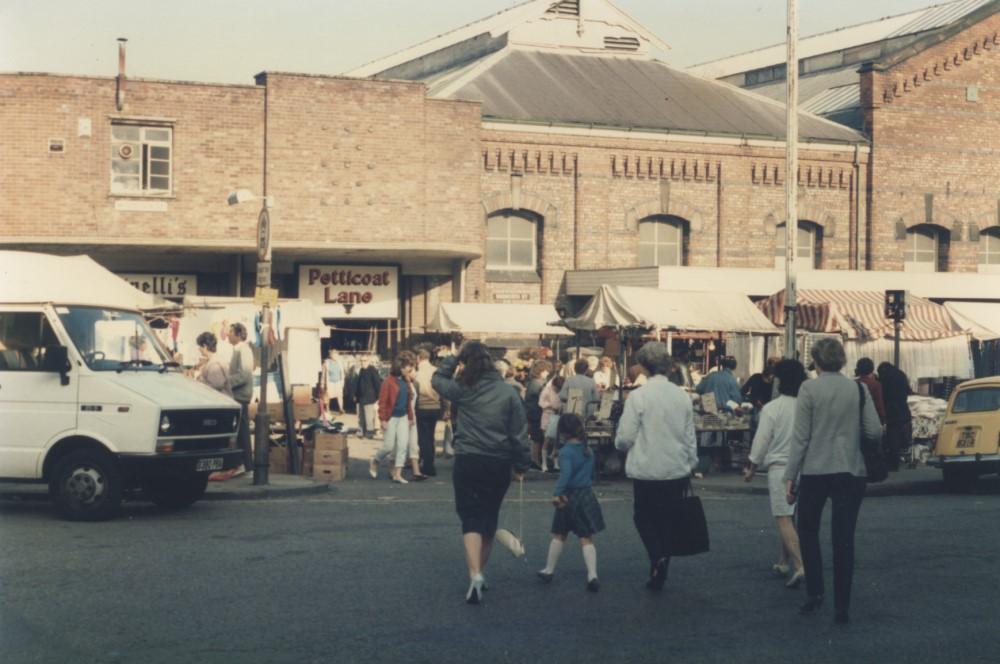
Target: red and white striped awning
(860, 315)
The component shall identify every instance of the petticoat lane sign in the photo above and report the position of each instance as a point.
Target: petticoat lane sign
(351, 291)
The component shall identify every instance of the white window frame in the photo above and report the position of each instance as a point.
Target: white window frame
(506, 217)
(141, 150)
(915, 258)
(989, 261)
(806, 256)
(659, 246)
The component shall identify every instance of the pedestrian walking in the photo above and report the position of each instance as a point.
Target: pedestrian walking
(577, 509)
(825, 462)
(428, 412)
(396, 412)
(586, 387)
(550, 403)
(211, 371)
(241, 382)
(539, 374)
(334, 374)
(657, 431)
(490, 441)
(367, 386)
(769, 453)
(864, 371)
(898, 420)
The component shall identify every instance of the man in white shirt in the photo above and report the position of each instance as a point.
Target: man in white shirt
(241, 381)
(657, 431)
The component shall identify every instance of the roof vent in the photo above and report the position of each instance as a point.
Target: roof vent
(621, 43)
(565, 8)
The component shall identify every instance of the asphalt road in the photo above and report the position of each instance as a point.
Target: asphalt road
(374, 573)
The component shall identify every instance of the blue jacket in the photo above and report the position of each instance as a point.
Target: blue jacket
(724, 385)
(576, 469)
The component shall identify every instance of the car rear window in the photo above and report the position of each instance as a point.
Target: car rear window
(977, 400)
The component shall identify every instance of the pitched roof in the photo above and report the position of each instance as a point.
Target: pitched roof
(626, 93)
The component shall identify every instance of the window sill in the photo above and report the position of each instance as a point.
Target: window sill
(513, 276)
(147, 197)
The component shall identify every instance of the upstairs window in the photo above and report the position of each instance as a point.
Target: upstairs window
(661, 241)
(140, 159)
(808, 246)
(923, 250)
(989, 250)
(511, 242)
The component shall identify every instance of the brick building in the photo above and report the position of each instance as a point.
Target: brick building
(487, 163)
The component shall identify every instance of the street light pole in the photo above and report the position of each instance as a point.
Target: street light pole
(262, 426)
(791, 175)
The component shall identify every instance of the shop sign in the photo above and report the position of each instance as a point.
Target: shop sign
(165, 285)
(351, 291)
(511, 297)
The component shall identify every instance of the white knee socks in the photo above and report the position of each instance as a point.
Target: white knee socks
(555, 550)
(590, 560)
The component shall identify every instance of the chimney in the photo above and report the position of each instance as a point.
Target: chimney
(120, 80)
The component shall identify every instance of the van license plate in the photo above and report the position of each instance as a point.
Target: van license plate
(205, 465)
(967, 438)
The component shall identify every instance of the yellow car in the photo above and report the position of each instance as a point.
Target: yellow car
(968, 442)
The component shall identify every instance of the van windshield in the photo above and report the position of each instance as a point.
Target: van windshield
(112, 340)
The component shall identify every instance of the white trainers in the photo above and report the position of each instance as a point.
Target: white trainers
(373, 469)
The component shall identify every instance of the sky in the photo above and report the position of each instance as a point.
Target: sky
(228, 41)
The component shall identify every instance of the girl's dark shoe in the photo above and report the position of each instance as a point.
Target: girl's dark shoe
(593, 585)
(841, 618)
(545, 577)
(811, 606)
(657, 575)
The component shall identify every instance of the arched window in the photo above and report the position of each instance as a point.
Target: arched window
(989, 250)
(662, 241)
(512, 241)
(808, 246)
(924, 251)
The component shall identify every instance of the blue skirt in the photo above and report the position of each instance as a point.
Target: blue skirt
(582, 515)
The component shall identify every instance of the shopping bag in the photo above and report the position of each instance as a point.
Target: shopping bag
(509, 540)
(689, 534)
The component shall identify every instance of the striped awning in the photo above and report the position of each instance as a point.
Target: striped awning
(860, 315)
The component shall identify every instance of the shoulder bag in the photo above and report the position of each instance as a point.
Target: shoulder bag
(876, 468)
(689, 534)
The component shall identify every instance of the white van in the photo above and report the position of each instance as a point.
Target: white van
(89, 401)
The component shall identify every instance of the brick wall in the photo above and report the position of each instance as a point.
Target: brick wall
(934, 158)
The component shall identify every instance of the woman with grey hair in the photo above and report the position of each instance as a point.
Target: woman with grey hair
(657, 431)
(825, 462)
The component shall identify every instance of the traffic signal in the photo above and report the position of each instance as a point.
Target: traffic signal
(895, 304)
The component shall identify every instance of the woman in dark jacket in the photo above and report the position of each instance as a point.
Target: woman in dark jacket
(898, 421)
(490, 441)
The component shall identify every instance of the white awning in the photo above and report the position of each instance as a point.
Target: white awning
(497, 319)
(982, 319)
(29, 277)
(688, 311)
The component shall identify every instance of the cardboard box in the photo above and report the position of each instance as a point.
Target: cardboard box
(332, 442)
(330, 457)
(301, 394)
(329, 473)
(278, 460)
(305, 411)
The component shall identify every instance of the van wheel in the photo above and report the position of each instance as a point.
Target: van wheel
(175, 492)
(86, 485)
(959, 480)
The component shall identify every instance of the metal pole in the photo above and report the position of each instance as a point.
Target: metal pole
(791, 175)
(262, 426)
(895, 341)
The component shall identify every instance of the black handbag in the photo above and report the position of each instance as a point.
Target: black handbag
(689, 534)
(876, 469)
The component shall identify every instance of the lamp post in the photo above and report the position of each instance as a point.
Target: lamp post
(791, 175)
(261, 422)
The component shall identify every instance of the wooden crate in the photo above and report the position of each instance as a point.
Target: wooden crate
(329, 472)
(323, 457)
(333, 442)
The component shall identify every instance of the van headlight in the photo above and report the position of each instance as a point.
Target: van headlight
(164, 424)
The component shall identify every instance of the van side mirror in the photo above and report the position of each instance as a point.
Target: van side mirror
(57, 361)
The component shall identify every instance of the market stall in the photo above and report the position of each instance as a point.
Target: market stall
(496, 320)
(932, 347)
(982, 319)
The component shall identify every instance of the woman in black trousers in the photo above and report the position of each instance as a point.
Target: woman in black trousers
(825, 463)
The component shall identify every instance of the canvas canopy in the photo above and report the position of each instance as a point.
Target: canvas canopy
(860, 315)
(496, 319)
(34, 277)
(982, 319)
(688, 311)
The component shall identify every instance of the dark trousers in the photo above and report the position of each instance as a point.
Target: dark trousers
(426, 423)
(846, 492)
(656, 501)
(898, 437)
(243, 436)
(362, 420)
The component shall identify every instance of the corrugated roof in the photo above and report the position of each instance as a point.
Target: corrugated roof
(621, 92)
(920, 20)
(834, 100)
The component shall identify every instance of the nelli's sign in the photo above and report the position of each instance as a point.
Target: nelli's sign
(351, 291)
(164, 285)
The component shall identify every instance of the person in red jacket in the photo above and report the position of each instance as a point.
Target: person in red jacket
(864, 371)
(395, 411)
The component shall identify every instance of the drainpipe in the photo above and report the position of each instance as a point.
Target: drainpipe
(576, 213)
(857, 208)
(120, 80)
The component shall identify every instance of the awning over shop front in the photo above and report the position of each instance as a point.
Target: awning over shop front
(860, 315)
(982, 319)
(36, 277)
(683, 311)
(496, 319)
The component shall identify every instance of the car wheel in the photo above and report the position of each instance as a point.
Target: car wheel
(86, 485)
(959, 480)
(175, 492)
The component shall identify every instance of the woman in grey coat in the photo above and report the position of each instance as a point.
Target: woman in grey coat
(825, 462)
